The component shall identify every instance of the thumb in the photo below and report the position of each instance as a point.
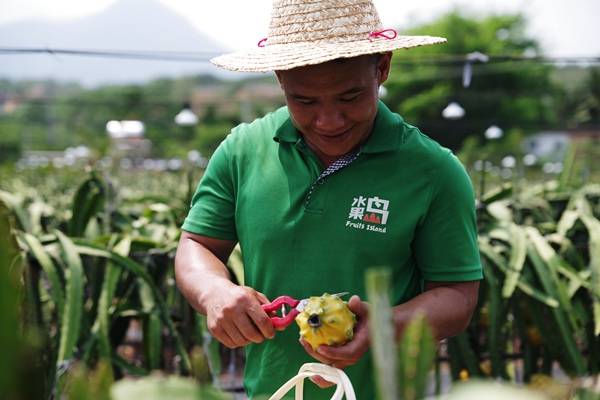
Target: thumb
(358, 307)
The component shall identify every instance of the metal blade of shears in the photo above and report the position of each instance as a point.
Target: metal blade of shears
(342, 294)
(302, 304)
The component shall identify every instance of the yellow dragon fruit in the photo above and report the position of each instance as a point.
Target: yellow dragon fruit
(326, 320)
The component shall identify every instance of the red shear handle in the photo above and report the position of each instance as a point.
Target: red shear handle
(284, 322)
(275, 305)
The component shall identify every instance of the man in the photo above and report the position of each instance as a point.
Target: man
(319, 191)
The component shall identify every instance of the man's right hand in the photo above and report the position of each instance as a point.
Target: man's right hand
(235, 316)
(234, 313)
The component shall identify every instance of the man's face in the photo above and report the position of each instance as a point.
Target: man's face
(334, 104)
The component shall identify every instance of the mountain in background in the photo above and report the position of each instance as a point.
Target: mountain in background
(139, 25)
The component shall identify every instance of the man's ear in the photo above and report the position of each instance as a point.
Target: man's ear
(384, 64)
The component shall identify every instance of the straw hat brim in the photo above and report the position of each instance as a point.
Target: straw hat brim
(279, 57)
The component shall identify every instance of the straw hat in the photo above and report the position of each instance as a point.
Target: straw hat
(306, 32)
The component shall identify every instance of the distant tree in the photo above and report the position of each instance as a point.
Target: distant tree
(10, 143)
(580, 105)
(209, 136)
(510, 94)
(210, 114)
(53, 116)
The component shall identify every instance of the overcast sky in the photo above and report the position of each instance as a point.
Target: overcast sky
(565, 28)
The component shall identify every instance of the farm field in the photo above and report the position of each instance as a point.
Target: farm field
(94, 254)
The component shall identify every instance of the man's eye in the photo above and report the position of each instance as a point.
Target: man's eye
(348, 99)
(304, 101)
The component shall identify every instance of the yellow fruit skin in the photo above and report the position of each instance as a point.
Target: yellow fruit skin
(336, 321)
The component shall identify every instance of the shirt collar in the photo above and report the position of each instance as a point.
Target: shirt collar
(386, 134)
(287, 132)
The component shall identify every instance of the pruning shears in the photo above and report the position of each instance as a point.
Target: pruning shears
(287, 317)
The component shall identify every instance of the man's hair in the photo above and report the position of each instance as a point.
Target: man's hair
(374, 58)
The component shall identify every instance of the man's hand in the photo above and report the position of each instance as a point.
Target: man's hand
(235, 316)
(349, 353)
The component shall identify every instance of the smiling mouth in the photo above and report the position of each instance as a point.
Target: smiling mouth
(339, 135)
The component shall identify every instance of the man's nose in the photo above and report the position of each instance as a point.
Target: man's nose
(329, 120)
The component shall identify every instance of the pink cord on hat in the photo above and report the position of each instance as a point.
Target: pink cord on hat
(385, 33)
(261, 42)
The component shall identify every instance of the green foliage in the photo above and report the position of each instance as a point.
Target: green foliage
(509, 94)
(97, 384)
(541, 260)
(10, 270)
(516, 95)
(495, 391)
(87, 203)
(74, 284)
(83, 384)
(539, 247)
(115, 270)
(67, 115)
(157, 388)
(209, 136)
(400, 371)
(579, 100)
(21, 376)
(381, 328)
(473, 149)
(10, 142)
(538, 251)
(416, 355)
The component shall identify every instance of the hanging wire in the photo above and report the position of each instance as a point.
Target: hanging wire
(445, 72)
(459, 59)
(205, 56)
(199, 56)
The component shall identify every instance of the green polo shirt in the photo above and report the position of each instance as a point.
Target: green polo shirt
(405, 202)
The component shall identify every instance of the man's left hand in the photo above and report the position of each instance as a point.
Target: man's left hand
(349, 353)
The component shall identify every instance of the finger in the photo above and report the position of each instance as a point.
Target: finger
(224, 338)
(262, 321)
(351, 351)
(358, 307)
(320, 382)
(237, 338)
(248, 329)
(216, 331)
(338, 353)
(314, 354)
(342, 364)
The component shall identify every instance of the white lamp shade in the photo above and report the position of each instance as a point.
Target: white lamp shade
(186, 117)
(453, 111)
(493, 132)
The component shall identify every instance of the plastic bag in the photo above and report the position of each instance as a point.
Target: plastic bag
(334, 375)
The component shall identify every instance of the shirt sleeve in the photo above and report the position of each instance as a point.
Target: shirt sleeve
(445, 243)
(212, 211)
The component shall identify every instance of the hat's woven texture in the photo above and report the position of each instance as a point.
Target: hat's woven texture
(307, 32)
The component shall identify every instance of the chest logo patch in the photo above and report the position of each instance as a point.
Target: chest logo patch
(368, 213)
